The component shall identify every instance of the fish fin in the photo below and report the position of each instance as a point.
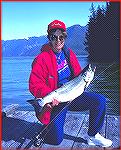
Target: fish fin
(35, 104)
(43, 114)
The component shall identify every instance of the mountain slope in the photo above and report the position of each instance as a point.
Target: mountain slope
(32, 45)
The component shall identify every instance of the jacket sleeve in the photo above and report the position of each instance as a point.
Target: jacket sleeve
(75, 64)
(37, 81)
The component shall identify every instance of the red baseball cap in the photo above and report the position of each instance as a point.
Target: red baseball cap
(56, 24)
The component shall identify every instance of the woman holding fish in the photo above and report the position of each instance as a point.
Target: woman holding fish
(55, 66)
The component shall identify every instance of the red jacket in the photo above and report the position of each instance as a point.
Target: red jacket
(43, 78)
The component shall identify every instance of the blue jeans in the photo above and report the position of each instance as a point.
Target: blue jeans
(93, 102)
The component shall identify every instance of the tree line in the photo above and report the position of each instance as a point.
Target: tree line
(102, 39)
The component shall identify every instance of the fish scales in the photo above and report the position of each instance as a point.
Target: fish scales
(68, 91)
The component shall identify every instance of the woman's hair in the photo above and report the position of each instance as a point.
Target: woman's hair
(54, 30)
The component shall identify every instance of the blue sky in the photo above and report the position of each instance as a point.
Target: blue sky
(26, 19)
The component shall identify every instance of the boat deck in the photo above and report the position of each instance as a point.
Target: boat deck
(20, 127)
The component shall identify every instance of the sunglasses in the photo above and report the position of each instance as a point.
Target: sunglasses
(55, 38)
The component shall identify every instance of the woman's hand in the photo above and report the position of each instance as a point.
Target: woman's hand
(89, 75)
(55, 102)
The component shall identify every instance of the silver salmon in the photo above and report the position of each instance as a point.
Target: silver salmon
(67, 92)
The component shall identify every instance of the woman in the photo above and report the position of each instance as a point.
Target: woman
(52, 68)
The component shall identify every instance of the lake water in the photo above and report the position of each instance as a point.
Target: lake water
(15, 76)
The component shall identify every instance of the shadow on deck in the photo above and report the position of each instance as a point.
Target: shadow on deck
(20, 129)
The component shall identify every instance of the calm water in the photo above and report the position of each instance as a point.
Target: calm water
(15, 76)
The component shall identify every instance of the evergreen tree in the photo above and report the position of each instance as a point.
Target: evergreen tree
(99, 32)
(94, 35)
(112, 30)
(90, 34)
(102, 37)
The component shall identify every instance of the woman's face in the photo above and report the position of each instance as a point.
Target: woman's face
(57, 39)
